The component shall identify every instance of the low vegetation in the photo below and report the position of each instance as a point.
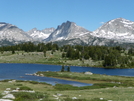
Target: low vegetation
(25, 96)
(112, 91)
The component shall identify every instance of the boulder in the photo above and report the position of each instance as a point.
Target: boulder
(9, 96)
(88, 73)
(5, 100)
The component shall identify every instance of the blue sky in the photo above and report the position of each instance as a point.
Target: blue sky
(41, 14)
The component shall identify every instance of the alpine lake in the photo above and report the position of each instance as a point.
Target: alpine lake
(19, 71)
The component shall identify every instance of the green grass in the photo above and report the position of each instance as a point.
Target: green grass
(95, 78)
(107, 93)
(115, 88)
(95, 86)
(38, 57)
(114, 94)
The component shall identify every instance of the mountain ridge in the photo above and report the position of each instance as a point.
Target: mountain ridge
(114, 32)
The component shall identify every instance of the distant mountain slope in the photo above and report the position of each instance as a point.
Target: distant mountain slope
(67, 31)
(12, 34)
(70, 33)
(40, 34)
(117, 29)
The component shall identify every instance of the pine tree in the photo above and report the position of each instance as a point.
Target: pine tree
(62, 69)
(13, 52)
(63, 55)
(44, 53)
(68, 69)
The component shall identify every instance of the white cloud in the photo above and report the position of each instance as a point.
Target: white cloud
(102, 22)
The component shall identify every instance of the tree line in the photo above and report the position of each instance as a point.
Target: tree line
(111, 57)
(31, 47)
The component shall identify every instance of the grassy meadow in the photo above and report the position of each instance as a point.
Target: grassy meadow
(38, 57)
(51, 93)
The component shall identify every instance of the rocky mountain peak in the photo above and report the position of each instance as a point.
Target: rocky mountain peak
(121, 21)
(65, 25)
(117, 29)
(67, 30)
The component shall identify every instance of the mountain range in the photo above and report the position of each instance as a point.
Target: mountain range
(114, 32)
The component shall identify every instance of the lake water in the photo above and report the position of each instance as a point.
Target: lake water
(17, 71)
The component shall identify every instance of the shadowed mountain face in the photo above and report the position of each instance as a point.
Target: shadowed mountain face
(67, 31)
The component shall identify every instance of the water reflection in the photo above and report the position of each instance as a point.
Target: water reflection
(52, 81)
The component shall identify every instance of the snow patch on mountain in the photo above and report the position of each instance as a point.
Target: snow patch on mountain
(118, 29)
(40, 34)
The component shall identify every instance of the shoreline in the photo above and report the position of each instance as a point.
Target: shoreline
(50, 59)
(63, 78)
(89, 81)
(50, 64)
(60, 65)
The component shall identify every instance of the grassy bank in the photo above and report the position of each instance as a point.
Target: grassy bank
(38, 57)
(94, 78)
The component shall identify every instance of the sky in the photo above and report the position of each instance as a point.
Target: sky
(41, 14)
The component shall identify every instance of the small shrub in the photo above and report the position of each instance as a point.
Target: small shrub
(5, 80)
(21, 96)
(25, 88)
(20, 81)
(25, 96)
(18, 84)
(1, 95)
(34, 82)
